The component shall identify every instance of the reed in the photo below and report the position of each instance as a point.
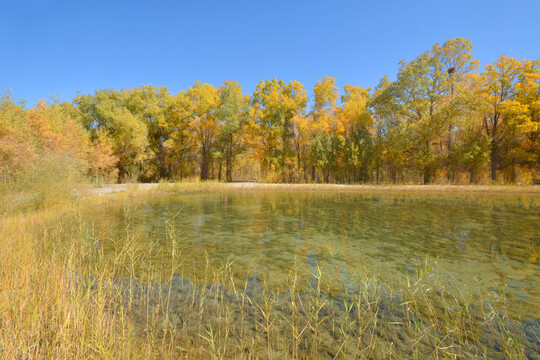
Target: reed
(71, 290)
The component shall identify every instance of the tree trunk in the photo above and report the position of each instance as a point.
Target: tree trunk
(471, 176)
(229, 167)
(204, 165)
(299, 165)
(427, 176)
(229, 158)
(282, 160)
(513, 174)
(493, 157)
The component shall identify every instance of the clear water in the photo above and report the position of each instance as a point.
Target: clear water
(478, 242)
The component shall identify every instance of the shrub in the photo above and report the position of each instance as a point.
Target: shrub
(51, 179)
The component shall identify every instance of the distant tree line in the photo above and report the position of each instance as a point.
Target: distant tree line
(440, 120)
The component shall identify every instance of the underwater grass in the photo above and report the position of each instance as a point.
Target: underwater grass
(72, 290)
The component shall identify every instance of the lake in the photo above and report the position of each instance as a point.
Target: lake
(485, 248)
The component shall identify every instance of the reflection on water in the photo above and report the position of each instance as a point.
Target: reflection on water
(303, 274)
(484, 241)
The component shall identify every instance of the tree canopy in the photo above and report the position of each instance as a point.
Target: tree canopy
(443, 119)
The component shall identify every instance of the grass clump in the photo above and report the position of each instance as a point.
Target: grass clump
(52, 180)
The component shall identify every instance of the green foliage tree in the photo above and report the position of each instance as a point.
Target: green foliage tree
(106, 111)
(420, 91)
(232, 114)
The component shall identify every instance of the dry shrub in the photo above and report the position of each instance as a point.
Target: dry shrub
(524, 175)
(272, 177)
(51, 179)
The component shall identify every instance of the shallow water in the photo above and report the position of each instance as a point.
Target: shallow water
(423, 275)
(478, 242)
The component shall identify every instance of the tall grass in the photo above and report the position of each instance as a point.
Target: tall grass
(70, 289)
(51, 180)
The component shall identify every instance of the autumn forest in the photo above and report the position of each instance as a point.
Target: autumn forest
(444, 119)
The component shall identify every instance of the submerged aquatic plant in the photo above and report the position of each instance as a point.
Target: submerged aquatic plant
(61, 296)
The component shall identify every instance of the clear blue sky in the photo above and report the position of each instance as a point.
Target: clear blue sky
(56, 48)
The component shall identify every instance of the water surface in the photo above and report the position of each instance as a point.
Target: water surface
(478, 242)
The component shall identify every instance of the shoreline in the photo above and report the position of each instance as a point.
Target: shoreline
(209, 186)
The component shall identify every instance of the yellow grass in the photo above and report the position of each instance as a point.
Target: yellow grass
(215, 186)
(61, 298)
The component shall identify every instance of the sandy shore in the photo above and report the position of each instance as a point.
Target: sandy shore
(506, 189)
